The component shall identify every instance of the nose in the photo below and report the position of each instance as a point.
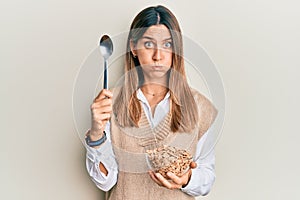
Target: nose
(158, 54)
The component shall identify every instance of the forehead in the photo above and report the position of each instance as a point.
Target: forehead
(159, 31)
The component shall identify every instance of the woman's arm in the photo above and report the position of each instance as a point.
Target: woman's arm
(100, 160)
(203, 176)
(101, 164)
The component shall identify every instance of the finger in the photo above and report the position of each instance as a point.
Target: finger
(176, 179)
(101, 109)
(167, 183)
(106, 109)
(104, 94)
(102, 117)
(105, 102)
(193, 165)
(154, 178)
(101, 103)
(102, 98)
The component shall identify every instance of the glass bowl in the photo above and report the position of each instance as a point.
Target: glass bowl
(166, 159)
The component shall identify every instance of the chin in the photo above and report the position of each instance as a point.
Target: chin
(158, 75)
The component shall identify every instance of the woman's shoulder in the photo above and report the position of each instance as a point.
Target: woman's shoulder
(204, 104)
(199, 97)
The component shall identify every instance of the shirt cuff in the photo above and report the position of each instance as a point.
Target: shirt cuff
(200, 183)
(102, 154)
(105, 155)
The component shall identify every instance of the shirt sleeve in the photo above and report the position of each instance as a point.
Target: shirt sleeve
(105, 155)
(203, 176)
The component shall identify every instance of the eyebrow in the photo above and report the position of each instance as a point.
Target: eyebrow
(150, 38)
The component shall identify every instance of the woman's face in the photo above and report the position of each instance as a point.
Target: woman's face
(154, 51)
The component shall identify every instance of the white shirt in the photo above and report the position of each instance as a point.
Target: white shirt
(202, 177)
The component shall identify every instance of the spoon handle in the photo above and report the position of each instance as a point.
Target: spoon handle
(105, 84)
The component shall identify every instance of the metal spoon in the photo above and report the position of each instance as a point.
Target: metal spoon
(106, 48)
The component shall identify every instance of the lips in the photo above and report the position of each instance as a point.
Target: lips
(157, 67)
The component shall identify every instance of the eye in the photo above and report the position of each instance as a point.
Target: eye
(149, 44)
(168, 45)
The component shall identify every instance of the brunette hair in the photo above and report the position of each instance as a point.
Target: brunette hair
(127, 107)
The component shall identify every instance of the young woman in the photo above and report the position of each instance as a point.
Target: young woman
(153, 106)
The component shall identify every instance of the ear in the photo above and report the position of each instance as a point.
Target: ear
(133, 48)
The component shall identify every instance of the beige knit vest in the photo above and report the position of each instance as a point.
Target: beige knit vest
(129, 144)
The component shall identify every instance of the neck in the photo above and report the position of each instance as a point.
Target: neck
(156, 82)
(154, 89)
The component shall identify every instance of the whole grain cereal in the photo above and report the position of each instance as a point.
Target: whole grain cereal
(169, 159)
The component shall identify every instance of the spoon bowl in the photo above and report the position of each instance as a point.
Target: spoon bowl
(106, 49)
(106, 46)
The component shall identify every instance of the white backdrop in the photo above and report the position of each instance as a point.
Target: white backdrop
(255, 45)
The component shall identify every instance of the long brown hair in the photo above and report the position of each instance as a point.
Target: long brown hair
(127, 107)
